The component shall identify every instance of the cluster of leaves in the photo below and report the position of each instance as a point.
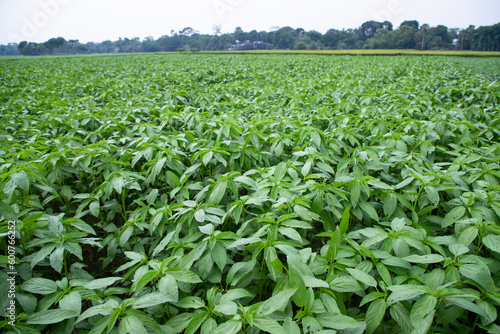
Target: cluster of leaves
(222, 194)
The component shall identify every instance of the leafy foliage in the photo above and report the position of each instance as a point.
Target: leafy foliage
(218, 194)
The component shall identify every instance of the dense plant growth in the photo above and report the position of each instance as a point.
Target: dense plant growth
(223, 194)
(370, 35)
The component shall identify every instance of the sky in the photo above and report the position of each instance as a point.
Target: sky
(99, 20)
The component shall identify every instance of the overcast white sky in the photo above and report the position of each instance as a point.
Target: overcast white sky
(98, 20)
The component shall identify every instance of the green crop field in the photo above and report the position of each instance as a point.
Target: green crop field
(244, 194)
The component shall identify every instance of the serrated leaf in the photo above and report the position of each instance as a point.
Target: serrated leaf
(235, 294)
(290, 233)
(217, 193)
(430, 258)
(21, 180)
(403, 292)
(227, 308)
(183, 275)
(423, 326)
(206, 229)
(422, 307)
(168, 285)
(200, 216)
(458, 249)
(325, 167)
(402, 316)
(306, 168)
(337, 321)
(101, 283)
(492, 241)
(362, 277)
(131, 325)
(346, 284)
(74, 248)
(468, 235)
(229, 327)
(276, 302)
(390, 204)
(369, 209)
(163, 243)
(344, 222)
(196, 322)
(267, 324)
(152, 299)
(304, 213)
(355, 192)
(219, 256)
(432, 195)
(28, 302)
(191, 302)
(375, 314)
(48, 317)
(56, 259)
(94, 208)
(479, 275)
(152, 196)
(312, 282)
(379, 184)
(208, 327)
(7, 212)
(72, 301)
(40, 286)
(404, 183)
(207, 157)
(452, 216)
(145, 279)
(467, 305)
(102, 309)
(280, 171)
(246, 180)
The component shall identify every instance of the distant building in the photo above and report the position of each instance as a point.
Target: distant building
(247, 45)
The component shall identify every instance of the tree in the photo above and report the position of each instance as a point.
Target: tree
(371, 34)
(413, 24)
(9, 50)
(405, 37)
(465, 37)
(285, 38)
(330, 39)
(424, 29)
(442, 31)
(21, 46)
(51, 44)
(188, 31)
(314, 35)
(80, 48)
(60, 42)
(387, 25)
(300, 46)
(239, 34)
(369, 29)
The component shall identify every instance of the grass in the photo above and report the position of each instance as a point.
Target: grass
(361, 52)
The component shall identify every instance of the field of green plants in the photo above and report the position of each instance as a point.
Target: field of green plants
(244, 194)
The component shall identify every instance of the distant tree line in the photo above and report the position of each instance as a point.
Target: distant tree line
(371, 35)
(52, 46)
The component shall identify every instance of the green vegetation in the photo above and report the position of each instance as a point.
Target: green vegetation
(356, 53)
(226, 194)
(410, 35)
